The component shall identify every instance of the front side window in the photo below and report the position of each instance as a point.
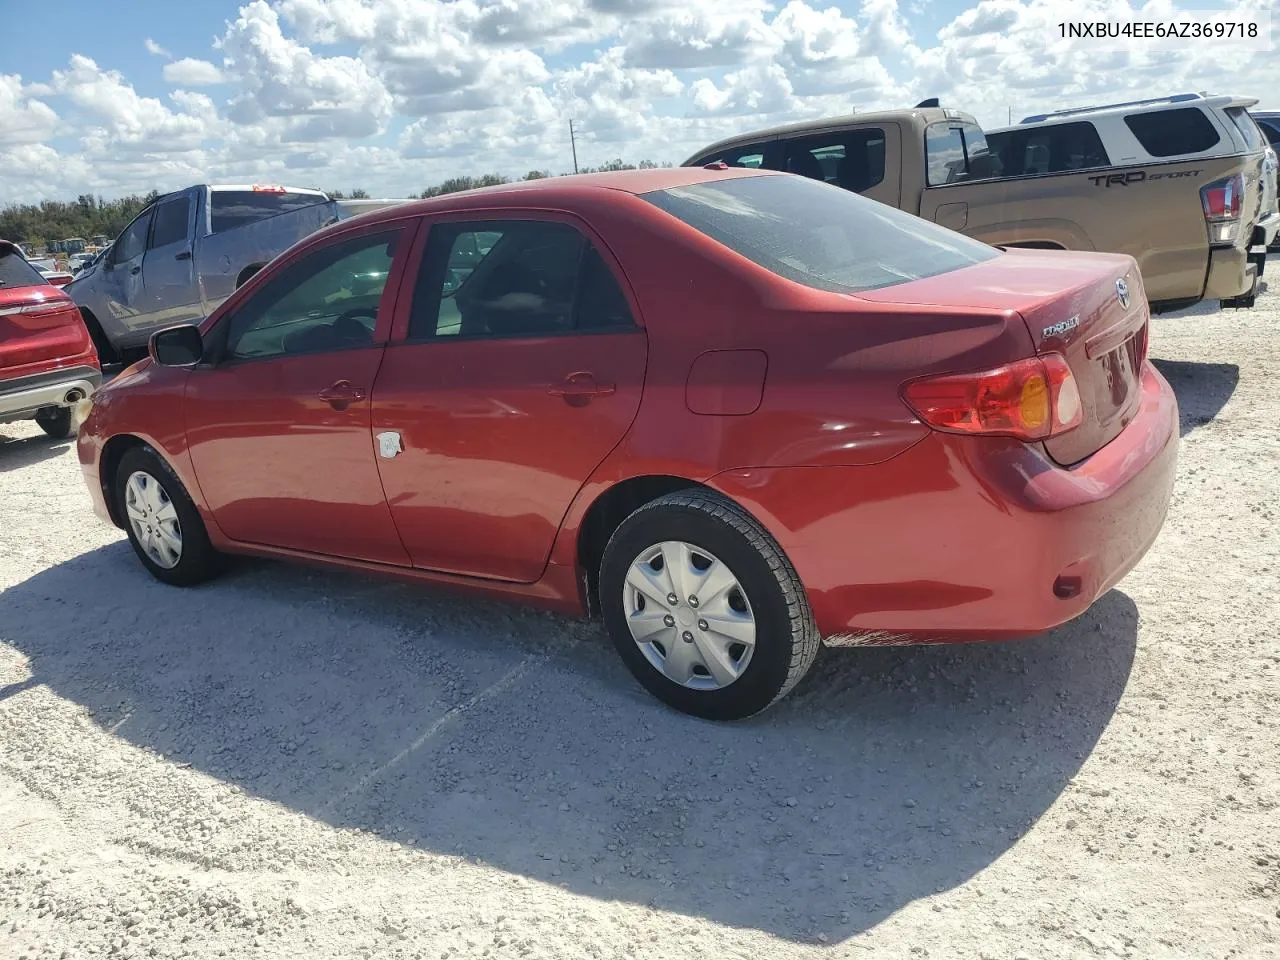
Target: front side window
(958, 151)
(822, 237)
(1170, 133)
(326, 301)
(518, 278)
(170, 223)
(852, 159)
(133, 241)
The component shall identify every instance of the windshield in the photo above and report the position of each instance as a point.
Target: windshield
(820, 235)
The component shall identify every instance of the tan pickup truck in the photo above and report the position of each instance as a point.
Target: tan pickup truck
(1189, 223)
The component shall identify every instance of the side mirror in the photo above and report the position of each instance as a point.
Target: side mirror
(177, 346)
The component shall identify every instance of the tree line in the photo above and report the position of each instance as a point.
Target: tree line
(88, 216)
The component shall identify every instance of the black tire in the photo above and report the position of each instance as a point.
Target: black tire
(55, 421)
(198, 561)
(106, 352)
(787, 639)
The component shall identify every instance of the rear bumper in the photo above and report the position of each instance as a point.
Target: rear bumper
(21, 399)
(1231, 274)
(965, 538)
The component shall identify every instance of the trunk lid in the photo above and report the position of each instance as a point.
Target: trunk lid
(1072, 304)
(38, 324)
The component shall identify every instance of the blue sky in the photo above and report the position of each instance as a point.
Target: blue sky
(394, 95)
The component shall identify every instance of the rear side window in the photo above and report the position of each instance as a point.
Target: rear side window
(170, 224)
(957, 152)
(1169, 133)
(15, 271)
(1051, 149)
(229, 209)
(514, 278)
(745, 155)
(1248, 129)
(853, 159)
(821, 237)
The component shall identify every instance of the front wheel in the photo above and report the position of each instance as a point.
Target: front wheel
(704, 608)
(163, 524)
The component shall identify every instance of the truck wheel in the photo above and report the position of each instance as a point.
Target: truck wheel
(106, 352)
(704, 608)
(55, 421)
(247, 274)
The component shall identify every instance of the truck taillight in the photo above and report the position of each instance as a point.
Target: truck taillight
(1222, 201)
(1032, 399)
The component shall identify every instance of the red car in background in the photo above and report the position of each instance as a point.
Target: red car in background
(734, 412)
(47, 361)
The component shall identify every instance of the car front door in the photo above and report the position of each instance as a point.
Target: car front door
(278, 424)
(168, 272)
(122, 280)
(521, 369)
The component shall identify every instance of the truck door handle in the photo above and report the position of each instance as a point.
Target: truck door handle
(581, 385)
(184, 255)
(341, 393)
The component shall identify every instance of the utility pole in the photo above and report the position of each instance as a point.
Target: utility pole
(1010, 115)
(573, 144)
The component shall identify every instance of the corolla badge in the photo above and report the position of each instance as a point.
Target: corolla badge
(1062, 327)
(1122, 291)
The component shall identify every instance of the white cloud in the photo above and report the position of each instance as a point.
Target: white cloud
(23, 120)
(190, 72)
(393, 95)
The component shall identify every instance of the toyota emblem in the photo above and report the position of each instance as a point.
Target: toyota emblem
(1122, 291)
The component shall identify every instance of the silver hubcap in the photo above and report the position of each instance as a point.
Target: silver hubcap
(689, 615)
(153, 519)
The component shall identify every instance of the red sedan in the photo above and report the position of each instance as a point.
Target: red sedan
(733, 412)
(47, 361)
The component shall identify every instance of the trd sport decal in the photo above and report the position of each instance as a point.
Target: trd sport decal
(1138, 176)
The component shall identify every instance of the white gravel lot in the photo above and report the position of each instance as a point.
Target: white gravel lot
(288, 763)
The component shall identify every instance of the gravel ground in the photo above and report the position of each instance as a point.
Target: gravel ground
(288, 763)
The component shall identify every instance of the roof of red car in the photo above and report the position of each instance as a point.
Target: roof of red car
(559, 189)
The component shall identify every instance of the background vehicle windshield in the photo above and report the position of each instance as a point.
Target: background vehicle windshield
(820, 235)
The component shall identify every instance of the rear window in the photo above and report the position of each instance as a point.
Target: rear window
(1050, 149)
(1248, 129)
(819, 235)
(16, 272)
(229, 209)
(1169, 133)
(958, 152)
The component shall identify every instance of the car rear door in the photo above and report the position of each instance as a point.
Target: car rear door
(278, 426)
(168, 272)
(519, 369)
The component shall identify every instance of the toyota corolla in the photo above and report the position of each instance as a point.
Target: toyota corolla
(734, 413)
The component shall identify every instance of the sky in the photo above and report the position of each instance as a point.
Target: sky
(393, 96)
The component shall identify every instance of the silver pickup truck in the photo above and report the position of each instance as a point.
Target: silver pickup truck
(188, 251)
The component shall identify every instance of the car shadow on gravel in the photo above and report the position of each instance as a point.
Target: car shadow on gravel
(19, 452)
(516, 739)
(1203, 389)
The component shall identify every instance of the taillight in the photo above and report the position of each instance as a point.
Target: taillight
(43, 308)
(1031, 399)
(1222, 201)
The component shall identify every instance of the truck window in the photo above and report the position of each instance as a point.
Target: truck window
(853, 159)
(1051, 149)
(825, 238)
(133, 239)
(170, 224)
(229, 209)
(1248, 129)
(1271, 130)
(958, 151)
(746, 155)
(1168, 133)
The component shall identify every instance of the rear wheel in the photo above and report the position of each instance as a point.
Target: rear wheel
(704, 608)
(163, 524)
(55, 421)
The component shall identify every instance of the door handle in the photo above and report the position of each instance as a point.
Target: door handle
(134, 271)
(184, 255)
(582, 385)
(341, 393)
